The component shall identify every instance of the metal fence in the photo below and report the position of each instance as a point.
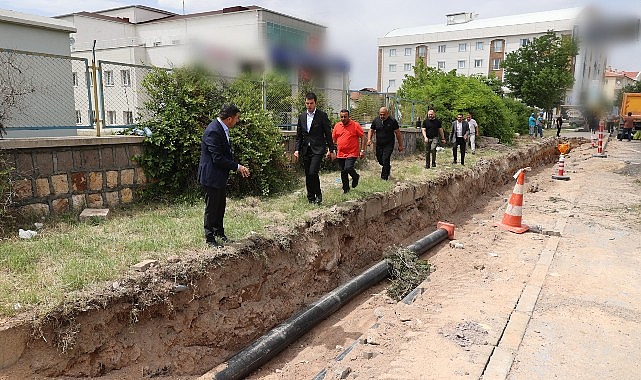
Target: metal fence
(53, 95)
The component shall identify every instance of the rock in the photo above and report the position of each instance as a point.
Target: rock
(26, 234)
(144, 265)
(342, 374)
(179, 288)
(101, 213)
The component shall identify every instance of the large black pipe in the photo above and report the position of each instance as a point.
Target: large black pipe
(271, 344)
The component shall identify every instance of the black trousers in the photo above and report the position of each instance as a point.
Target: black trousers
(346, 165)
(312, 163)
(384, 157)
(460, 141)
(215, 203)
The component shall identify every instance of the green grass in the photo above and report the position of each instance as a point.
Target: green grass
(69, 255)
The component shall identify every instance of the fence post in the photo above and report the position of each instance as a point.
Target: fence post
(96, 118)
(101, 113)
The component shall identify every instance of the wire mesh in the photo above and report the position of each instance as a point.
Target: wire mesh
(43, 90)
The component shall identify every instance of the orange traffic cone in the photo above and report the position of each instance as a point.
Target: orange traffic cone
(512, 217)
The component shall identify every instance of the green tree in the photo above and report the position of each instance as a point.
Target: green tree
(367, 106)
(540, 73)
(449, 94)
(180, 103)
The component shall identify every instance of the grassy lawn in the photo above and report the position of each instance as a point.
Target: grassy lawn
(69, 255)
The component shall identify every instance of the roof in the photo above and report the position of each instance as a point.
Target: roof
(36, 21)
(628, 74)
(521, 19)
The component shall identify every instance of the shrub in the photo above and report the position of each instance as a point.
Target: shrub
(5, 194)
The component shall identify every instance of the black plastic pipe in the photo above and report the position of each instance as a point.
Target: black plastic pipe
(271, 344)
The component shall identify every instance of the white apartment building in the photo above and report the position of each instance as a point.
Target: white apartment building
(230, 40)
(615, 80)
(472, 45)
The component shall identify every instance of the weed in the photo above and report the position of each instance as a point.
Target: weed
(406, 271)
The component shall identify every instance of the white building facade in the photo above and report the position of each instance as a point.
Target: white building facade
(471, 45)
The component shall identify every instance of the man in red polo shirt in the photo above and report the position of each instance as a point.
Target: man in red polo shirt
(347, 136)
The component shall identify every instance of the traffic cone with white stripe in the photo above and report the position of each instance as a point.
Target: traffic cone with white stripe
(513, 213)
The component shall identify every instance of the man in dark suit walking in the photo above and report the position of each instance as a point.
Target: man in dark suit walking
(459, 135)
(313, 138)
(213, 171)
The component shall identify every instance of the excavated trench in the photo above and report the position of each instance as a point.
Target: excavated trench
(149, 325)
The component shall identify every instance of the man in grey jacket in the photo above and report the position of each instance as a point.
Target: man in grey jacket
(459, 135)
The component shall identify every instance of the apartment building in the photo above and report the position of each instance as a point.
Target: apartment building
(229, 41)
(473, 45)
(617, 79)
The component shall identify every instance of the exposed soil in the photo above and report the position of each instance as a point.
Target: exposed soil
(147, 326)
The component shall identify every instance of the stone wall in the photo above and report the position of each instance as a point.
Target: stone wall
(57, 175)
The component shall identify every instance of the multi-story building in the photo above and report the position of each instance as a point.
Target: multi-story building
(472, 45)
(615, 80)
(231, 40)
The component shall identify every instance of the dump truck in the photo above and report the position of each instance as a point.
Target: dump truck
(631, 103)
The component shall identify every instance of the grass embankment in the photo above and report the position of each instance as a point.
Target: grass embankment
(69, 255)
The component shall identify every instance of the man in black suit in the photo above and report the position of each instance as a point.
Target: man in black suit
(313, 138)
(213, 171)
(459, 135)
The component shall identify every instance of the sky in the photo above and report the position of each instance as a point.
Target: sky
(353, 27)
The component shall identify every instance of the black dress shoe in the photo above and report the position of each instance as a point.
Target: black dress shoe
(319, 199)
(224, 238)
(355, 181)
(214, 244)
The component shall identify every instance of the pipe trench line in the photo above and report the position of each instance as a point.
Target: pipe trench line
(280, 337)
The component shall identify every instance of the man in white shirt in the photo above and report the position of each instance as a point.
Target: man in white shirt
(474, 130)
(459, 135)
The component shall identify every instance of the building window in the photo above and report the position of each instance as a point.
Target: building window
(127, 117)
(479, 45)
(111, 117)
(422, 51)
(391, 83)
(441, 65)
(109, 78)
(478, 62)
(408, 51)
(74, 78)
(461, 64)
(524, 42)
(441, 48)
(407, 67)
(392, 52)
(92, 116)
(125, 77)
(498, 46)
(462, 47)
(496, 64)
(78, 117)
(392, 68)
(157, 43)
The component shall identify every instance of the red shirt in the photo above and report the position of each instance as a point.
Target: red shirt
(346, 137)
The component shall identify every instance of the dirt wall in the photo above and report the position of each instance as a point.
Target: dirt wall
(148, 325)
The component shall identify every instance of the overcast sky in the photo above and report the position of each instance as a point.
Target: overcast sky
(354, 26)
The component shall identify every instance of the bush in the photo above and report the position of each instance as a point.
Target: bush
(181, 102)
(5, 195)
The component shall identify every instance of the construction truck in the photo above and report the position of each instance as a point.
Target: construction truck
(631, 103)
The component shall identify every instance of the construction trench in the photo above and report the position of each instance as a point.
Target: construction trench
(188, 317)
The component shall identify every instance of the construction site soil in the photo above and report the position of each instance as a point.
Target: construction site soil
(182, 319)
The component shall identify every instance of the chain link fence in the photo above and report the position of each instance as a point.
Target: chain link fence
(55, 94)
(43, 92)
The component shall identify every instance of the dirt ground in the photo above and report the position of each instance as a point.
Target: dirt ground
(585, 314)
(472, 319)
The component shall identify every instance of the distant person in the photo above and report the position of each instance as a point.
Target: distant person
(385, 128)
(213, 171)
(347, 136)
(313, 139)
(593, 124)
(559, 123)
(432, 128)
(539, 125)
(459, 135)
(628, 123)
(474, 129)
(531, 124)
